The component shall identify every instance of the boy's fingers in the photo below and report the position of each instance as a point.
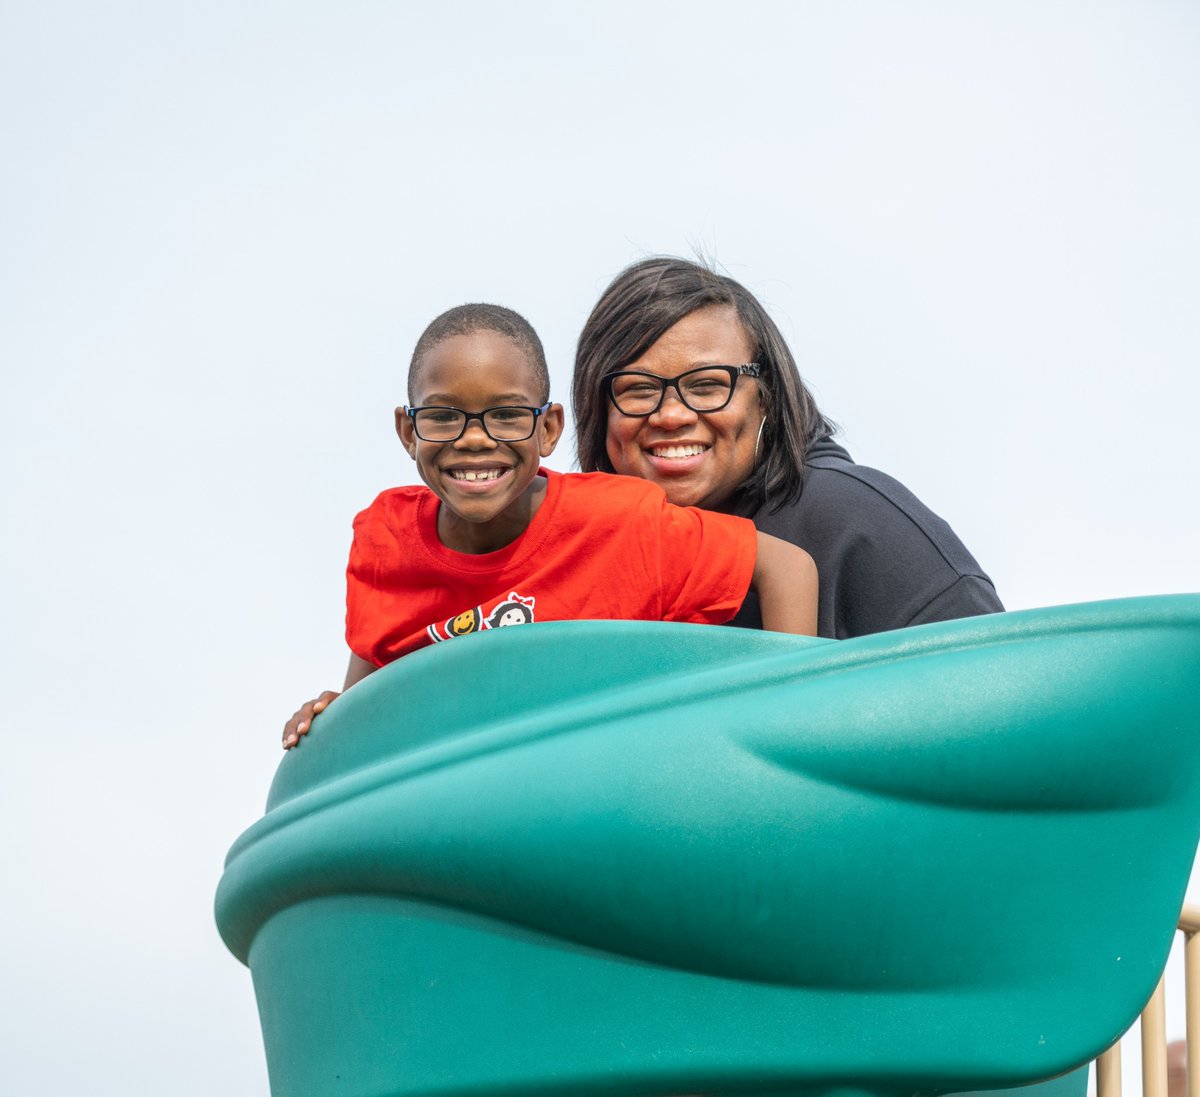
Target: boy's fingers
(302, 718)
(296, 726)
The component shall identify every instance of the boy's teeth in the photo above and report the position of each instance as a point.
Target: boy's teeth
(471, 474)
(677, 451)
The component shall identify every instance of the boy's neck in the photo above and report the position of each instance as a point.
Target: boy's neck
(477, 538)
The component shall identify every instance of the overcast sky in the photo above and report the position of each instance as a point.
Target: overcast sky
(224, 226)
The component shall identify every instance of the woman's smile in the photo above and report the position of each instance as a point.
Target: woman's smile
(675, 459)
(674, 451)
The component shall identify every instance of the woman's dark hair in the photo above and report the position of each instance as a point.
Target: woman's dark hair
(638, 307)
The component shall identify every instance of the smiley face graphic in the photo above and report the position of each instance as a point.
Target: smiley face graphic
(466, 622)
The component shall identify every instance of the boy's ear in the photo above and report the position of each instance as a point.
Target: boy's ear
(551, 428)
(404, 428)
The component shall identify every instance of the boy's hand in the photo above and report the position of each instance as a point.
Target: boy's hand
(300, 723)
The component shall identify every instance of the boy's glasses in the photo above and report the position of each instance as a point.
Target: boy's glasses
(504, 424)
(707, 388)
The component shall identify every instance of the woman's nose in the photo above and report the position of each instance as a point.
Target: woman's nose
(672, 412)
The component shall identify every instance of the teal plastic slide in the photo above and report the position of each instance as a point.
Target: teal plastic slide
(620, 858)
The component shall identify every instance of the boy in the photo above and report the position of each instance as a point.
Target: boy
(494, 540)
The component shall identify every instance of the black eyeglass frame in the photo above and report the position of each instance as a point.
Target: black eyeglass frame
(469, 415)
(749, 369)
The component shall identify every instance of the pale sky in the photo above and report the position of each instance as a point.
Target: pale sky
(224, 225)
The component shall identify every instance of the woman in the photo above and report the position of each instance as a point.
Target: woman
(884, 559)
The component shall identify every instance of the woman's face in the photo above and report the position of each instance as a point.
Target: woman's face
(699, 459)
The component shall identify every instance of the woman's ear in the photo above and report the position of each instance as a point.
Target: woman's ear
(550, 428)
(404, 430)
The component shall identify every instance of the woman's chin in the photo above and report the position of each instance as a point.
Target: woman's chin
(684, 491)
(688, 481)
(675, 473)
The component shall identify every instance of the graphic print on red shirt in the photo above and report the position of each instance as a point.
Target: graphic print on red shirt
(513, 610)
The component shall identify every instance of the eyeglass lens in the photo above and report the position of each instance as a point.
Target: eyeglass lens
(501, 424)
(699, 389)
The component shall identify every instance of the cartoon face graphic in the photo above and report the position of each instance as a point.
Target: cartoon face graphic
(466, 622)
(514, 615)
(514, 610)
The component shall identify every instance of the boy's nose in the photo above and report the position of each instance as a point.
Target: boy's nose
(474, 437)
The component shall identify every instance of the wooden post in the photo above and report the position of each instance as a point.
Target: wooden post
(1154, 1045)
(1108, 1072)
(1190, 924)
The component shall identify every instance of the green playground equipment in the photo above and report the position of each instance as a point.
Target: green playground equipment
(627, 858)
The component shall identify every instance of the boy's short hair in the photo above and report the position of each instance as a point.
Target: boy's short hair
(466, 319)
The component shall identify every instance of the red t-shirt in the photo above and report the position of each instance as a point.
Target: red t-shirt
(599, 547)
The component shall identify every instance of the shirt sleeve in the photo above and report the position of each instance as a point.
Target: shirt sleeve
(363, 629)
(969, 596)
(706, 561)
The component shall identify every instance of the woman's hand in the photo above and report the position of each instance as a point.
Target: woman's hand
(300, 723)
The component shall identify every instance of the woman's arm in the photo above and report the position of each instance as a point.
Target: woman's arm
(302, 719)
(785, 580)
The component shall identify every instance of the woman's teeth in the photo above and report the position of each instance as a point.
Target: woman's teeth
(677, 451)
(473, 474)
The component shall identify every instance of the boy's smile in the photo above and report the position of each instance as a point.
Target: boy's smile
(489, 490)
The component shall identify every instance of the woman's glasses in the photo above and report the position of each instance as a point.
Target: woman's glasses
(706, 388)
(503, 424)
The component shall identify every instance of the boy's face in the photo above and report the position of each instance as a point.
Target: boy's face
(494, 505)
